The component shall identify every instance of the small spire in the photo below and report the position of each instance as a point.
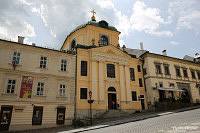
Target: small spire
(118, 45)
(93, 17)
(124, 48)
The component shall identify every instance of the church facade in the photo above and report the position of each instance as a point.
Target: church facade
(112, 77)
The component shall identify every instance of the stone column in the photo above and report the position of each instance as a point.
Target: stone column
(128, 92)
(122, 83)
(94, 80)
(101, 81)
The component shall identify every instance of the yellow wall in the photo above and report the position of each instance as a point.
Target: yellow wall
(151, 78)
(52, 76)
(85, 35)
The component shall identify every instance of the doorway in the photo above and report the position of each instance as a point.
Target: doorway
(5, 117)
(161, 95)
(37, 115)
(142, 101)
(112, 101)
(60, 116)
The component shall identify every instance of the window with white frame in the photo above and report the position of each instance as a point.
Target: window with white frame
(43, 62)
(16, 58)
(63, 65)
(11, 86)
(62, 90)
(40, 89)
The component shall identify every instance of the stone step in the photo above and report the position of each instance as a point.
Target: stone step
(114, 114)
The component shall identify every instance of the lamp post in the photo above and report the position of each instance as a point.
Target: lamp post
(90, 102)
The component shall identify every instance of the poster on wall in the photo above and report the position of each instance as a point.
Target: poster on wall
(26, 87)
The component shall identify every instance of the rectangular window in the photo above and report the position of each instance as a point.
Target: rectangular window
(132, 74)
(11, 86)
(83, 68)
(43, 62)
(166, 68)
(185, 74)
(37, 115)
(178, 73)
(158, 69)
(134, 96)
(140, 82)
(144, 71)
(198, 74)
(139, 68)
(16, 58)
(40, 89)
(110, 70)
(83, 93)
(63, 65)
(62, 90)
(193, 74)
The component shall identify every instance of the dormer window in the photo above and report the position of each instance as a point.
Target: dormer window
(103, 40)
(73, 44)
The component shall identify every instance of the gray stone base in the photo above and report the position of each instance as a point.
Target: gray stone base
(85, 113)
(21, 127)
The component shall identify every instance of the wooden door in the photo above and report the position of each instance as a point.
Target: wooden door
(109, 101)
(37, 115)
(60, 116)
(142, 103)
(5, 117)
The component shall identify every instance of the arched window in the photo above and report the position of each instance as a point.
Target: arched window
(104, 40)
(73, 44)
(112, 89)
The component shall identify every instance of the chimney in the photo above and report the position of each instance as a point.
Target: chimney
(164, 52)
(141, 46)
(197, 56)
(20, 39)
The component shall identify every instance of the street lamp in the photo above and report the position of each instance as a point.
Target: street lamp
(90, 102)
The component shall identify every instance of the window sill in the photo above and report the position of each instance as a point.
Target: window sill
(39, 96)
(134, 101)
(83, 99)
(9, 94)
(61, 97)
(15, 64)
(42, 68)
(63, 71)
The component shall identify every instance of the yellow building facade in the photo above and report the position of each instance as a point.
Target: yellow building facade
(37, 86)
(169, 78)
(114, 78)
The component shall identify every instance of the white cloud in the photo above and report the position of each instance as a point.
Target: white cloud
(148, 20)
(174, 43)
(12, 23)
(187, 14)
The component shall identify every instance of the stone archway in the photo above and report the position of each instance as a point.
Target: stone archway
(112, 98)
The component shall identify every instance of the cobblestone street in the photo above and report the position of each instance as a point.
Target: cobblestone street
(188, 121)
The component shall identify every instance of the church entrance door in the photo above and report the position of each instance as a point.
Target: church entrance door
(112, 102)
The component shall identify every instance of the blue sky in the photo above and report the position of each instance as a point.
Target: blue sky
(173, 25)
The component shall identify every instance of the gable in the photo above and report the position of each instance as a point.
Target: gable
(110, 51)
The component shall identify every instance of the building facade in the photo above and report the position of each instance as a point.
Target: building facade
(169, 78)
(36, 86)
(108, 72)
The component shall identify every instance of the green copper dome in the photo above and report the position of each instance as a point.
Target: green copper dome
(102, 24)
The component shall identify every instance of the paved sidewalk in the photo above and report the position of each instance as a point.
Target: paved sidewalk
(132, 118)
(102, 123)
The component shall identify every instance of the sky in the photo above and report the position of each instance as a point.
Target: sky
(172, 25)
